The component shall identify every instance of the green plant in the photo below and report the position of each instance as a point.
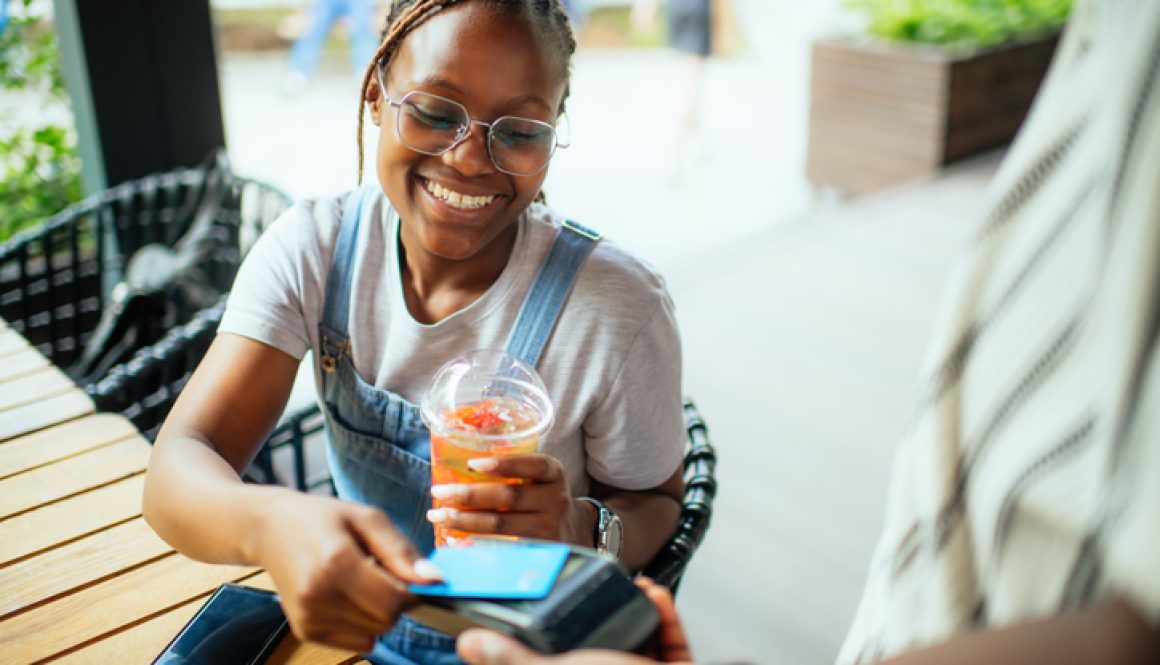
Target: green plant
(39, 165)
(960, 23)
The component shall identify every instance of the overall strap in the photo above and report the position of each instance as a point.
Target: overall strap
(550, 289)
(336, 307)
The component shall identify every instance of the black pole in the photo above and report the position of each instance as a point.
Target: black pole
(149, 80)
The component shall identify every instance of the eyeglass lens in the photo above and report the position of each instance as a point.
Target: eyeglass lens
(432, 125)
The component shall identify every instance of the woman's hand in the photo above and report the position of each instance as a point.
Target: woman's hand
(668, 645)
(540, 506)
(340, 568)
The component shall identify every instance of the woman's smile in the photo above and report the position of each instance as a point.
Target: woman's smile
(457, 208)
(457, 200)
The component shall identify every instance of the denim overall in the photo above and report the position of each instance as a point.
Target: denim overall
(379, 448)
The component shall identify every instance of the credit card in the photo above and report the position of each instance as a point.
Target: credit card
(517, 571)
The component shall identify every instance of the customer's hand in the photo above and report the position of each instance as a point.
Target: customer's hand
(340, 568)
(539, 505)
(669, 644)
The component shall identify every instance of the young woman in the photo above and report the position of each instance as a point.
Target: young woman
(386, 284)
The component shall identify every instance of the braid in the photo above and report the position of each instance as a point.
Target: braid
(406, 15)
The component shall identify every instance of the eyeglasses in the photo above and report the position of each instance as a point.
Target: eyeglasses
(432, 125)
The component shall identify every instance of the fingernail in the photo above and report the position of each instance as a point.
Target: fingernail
(427, 570)
(437, 515)
(443, 492)
(483, 464)
(481, 645)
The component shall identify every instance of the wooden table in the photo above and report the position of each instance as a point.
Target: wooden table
(83, 578)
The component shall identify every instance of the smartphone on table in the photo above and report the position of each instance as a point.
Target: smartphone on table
(237, 625)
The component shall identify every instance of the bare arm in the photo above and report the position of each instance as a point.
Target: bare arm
(649, 517)
(213, 432)
(1112, 633)
(338, 567)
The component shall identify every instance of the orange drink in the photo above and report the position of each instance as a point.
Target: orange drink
(486, 404)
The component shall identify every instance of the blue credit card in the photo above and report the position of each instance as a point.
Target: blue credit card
(517, 571)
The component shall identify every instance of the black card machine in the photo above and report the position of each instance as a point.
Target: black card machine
(593, 603)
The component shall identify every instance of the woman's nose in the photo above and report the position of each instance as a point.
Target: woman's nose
(470, 156)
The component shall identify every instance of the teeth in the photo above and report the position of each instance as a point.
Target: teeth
(455, 199)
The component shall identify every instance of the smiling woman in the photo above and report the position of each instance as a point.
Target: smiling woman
(448, 253)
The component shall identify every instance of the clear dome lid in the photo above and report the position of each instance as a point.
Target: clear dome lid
(488, 393)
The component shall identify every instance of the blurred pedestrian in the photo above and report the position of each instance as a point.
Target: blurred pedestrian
(689, 30)
(359, 16)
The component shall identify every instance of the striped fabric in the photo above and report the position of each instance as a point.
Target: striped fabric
(1029, 480)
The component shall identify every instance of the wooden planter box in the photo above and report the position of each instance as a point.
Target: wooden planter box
(885, 114)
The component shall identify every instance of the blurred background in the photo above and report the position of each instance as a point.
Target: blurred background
(805, 219)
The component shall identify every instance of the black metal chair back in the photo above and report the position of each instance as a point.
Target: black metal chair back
(668, 566)
(86, 286)
(54, 278)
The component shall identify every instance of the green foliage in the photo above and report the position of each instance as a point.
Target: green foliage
(960, 23)
(39, 166)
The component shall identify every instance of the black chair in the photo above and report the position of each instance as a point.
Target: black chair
(145, 388)
(110, 275)
(54, 278)
(700, 466)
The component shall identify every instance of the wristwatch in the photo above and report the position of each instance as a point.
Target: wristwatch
(609, 531)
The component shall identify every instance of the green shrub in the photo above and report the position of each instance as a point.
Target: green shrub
(40, 171)
(960, 23)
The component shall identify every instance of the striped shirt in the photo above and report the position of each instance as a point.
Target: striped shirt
(1029, 481)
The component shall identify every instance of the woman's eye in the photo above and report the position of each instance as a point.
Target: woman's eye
(514, 137)
(435, 118)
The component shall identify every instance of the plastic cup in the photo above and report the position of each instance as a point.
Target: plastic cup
(485, 404)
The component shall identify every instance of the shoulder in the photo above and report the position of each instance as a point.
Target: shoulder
(612, 279)
(311, 221)
(307, 232)
(306, 226)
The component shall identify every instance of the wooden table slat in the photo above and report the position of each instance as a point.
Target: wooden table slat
(110, 606)
(83, 578)
(78, 564)
(35, 386)
(16, 365)
(62, 441)
(70, 476)
(143, 642)
(65, 520)
(38, 415)
(11, 342)
(293, 652)
(138, 644)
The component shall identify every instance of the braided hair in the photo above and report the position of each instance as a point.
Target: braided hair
(548, 16)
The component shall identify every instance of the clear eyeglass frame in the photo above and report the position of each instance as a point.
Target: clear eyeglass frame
(463, 132)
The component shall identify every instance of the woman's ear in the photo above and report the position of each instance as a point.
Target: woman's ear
(374, 99)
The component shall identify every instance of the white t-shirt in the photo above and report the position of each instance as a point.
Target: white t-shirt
(612, 365)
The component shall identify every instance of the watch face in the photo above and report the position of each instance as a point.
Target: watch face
(612, 536)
